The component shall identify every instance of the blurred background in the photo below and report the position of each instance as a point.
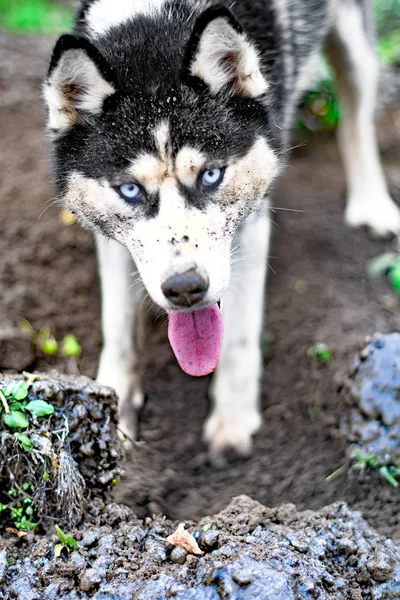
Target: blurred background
(322, 300)
(52, 16)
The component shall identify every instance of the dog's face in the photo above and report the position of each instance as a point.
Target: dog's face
(170, 172)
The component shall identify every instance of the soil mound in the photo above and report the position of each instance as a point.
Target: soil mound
(63, 453)
(373, 393)
(249, 552)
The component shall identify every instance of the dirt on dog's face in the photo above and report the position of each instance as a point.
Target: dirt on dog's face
(175, 209)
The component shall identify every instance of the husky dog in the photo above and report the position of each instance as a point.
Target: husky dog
(169, 123)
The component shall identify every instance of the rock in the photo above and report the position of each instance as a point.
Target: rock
(178, 555)
(89, 579)
(3, 565)
(381, 564)
(371, 422)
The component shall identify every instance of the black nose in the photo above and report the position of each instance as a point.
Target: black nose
(185, 289)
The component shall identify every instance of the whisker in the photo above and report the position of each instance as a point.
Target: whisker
(299, 210)
(47, 207)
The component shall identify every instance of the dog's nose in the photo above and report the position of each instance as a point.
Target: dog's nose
(185, 289)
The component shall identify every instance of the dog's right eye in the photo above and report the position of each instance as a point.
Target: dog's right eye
(131, 192)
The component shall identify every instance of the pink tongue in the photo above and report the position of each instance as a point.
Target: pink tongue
(196, 338)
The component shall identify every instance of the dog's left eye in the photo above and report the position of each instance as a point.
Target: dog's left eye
(131, 192)
(212, 177)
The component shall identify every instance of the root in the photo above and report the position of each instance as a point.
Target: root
(70, 487)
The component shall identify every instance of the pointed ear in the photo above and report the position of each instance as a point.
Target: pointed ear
(78, 82)
(220, 54)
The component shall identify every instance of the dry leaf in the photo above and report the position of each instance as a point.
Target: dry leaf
(183, 538)
(16, 532)
(58, 548)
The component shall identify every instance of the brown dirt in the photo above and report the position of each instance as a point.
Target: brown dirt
(246, 552)
(48, 275)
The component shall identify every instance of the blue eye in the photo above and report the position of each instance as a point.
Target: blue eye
(130, 192)
(212, 177)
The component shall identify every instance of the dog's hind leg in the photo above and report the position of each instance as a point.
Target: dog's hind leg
(350, 50)
(119, 367)
(235, 415)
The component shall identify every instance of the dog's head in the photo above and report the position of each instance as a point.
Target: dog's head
(168, 159)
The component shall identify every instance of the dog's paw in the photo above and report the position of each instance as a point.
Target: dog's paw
(222, 433)
(379, 213)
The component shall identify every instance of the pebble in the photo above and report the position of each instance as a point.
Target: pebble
(178, 555)
(77, 559)
(208, 540)
(3, 564)
(380, 565)
(90, 538)
(242, 577)
(89, 579)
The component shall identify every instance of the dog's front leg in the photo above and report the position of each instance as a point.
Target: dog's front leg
(118, 367)
(236, 415)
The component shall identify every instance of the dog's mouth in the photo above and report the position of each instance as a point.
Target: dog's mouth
(196, 338)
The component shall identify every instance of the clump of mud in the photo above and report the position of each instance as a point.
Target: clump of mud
(249, 552)
(372, 391)
(73, 456)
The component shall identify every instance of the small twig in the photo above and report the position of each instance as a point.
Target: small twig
(4, 402)
(336, 473)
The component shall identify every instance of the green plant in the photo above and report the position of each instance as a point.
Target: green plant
(19, 509)
(43, 339)
(45, 16)
(71, 346)
(24, 441)
(65, 539)
(390, 472)
(386, 264)
(16, 409)
(66, 542)
(320, 352)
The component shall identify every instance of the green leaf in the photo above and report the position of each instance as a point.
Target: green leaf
(320, 352)
(24, 441)
(385, 472)
(380, 264)
(15, 406)
(15, 419)
(40, 408)
(18, 390)
(49, 346)
(394, 277)
(45, 476)
(26, 327)
(25, 524)
(71, 346)
(65, 539)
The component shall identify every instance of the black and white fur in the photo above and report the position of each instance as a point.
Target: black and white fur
(156, 91)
